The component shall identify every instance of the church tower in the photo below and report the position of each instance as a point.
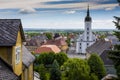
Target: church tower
(87, 38)
(88, 31)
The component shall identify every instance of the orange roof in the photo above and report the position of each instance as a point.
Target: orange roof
(47, 48)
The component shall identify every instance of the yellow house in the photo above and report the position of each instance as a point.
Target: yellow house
(16, 62)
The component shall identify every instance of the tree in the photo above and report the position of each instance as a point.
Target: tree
(49, 35)
(68, 41)
(102, 36)
(115, 54)
(76, 69)
(96, 66)
(55, 73)
(42, 72)
(46, 58)
(61, 58)
(93, 77)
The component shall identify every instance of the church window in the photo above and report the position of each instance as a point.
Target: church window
(80, 43)
(87, 28)
(87, 38)
(87, 44)
(87, 32)
(80, 47)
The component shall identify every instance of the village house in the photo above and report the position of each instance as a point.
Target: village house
(58, 41)
(16, 62)
(47, 48)
(35, 42)
(114, 40)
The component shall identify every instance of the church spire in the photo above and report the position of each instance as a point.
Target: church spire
(88, 18)
(88, 14)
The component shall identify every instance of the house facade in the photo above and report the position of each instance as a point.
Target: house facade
(13, 54)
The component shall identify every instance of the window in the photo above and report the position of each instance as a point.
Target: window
(87, 44)
(17, 51)
(80, 43)
(87, 28)
(87, 38)
(87, 32)
(80, 47)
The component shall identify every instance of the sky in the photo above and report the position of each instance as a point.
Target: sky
(60, 14)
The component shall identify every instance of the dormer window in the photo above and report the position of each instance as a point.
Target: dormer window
(17, 51)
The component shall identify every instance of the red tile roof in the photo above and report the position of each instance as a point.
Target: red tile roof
(47, 48)
(58, 42)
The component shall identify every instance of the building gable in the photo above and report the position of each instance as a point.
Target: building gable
(8, 31)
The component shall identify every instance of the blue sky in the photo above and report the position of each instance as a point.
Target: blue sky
(60, 14)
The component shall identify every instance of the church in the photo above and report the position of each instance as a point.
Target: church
(87, 38)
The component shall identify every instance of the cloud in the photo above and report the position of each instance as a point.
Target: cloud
(104, 6)
(27, 10)
(61, 2)
(109, 8)
(70, 12)
(56, 5)
(103, 24)
(96, 24)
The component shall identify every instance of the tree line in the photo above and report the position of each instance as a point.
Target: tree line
(58, 66)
